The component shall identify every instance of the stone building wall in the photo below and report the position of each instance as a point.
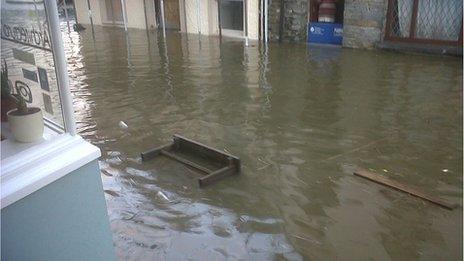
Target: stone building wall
(295, 19)
(363, 24)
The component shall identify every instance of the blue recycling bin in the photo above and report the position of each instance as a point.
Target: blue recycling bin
(325, 33)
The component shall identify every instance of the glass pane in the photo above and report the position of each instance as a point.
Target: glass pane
(109, 10)
(439, 19)
(117, 11)
(28, 58)
(401, 18)
(232, 15)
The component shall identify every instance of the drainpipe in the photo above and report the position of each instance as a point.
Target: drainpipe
(90, 16)
(75, 12)
(266, 21)
(124, 14)
(154, 11)
(198, 17)
(51, 11)
(185, 18)
(245, 21)
(261, 20)
(219, 19)
(281, 26)
(66, 14)
(163, 22)
(145, 14)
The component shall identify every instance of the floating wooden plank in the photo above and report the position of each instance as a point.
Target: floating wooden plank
(229, 164)
(216, 175)
(403, 188)
(186, 161)
(154, 152)
(213, 154)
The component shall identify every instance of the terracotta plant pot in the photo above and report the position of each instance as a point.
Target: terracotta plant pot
(8, 104)
(26, 127)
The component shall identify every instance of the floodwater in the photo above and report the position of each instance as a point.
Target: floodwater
(300, 118)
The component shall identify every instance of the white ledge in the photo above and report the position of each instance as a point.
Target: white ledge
(36, 167)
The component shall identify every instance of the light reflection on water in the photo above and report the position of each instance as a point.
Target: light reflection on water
(299, 118)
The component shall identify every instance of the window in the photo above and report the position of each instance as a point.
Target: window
(34, 67)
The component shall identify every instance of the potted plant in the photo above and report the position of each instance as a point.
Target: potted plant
(8, 102)
(26, 123)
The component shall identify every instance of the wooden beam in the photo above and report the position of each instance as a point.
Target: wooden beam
(215, 175)
(403, 188)
(154, 152)
(412, 30)
(231, 163)
(206, 151)
(185, 161)
(389, 22)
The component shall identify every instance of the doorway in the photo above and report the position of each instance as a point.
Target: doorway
(231, 17)
(171, 14)
(114, 11)
(314, 11)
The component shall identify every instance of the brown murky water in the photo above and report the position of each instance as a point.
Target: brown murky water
(300, 118)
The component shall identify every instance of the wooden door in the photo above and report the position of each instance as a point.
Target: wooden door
(171, 14)
(117, 11)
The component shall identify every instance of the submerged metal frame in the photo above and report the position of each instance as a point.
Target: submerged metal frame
(230, 164)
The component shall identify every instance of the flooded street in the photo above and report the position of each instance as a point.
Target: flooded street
(300, 118)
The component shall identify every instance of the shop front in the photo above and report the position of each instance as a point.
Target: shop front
(326, 22)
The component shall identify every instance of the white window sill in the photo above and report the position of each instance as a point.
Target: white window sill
(232, 33)
(10, 147)
(28, 167)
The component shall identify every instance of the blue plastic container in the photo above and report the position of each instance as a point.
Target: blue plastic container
(325, 33)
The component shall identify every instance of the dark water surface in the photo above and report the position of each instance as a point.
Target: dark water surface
(300, 118)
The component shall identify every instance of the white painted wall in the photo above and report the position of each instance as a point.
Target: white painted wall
(134, 10)
(135, 14)
(103, 13)
(189, 21)
(209, 17)
(192, 14)
(151, 16)
(253, 19)
(83, 13)
(213, 18)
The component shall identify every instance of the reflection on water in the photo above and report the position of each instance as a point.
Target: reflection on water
(299, 118)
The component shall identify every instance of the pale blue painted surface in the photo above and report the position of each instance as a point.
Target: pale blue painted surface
(66, 220)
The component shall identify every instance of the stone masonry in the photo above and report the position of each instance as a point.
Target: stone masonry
(295, 19)
(362, 26)
(363, 23)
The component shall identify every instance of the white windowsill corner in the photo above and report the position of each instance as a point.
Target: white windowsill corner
(31, 167)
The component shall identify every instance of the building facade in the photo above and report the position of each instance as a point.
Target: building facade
(237, 18)
(416, 25)
(366, 23)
